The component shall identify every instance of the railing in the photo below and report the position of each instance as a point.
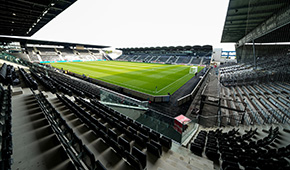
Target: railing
(189, 96)
(110, 96)
(245, 118)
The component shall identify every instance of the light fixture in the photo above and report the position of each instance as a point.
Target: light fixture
(45, 12)
(13, 14)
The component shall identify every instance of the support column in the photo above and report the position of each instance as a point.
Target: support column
(254, 55)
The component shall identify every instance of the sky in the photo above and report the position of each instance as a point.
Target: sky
(140, 23)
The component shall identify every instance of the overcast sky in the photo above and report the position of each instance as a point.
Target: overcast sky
(140, 23)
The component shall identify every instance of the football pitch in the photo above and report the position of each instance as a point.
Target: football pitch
(154, 79)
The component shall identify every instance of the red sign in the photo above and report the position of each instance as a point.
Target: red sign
(179, 122)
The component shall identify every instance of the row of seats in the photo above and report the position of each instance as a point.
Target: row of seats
(164, 141)
(30, 82)
(163, 59)
(51, 54)
(120, 146)
(266, 103)
(266, 71)
(80, 155)
(8, 75)
(235, 150)
(127, 126)
(51, 84)
(3, 72)
(5, 128)
(68, 86)
(79, 88)
(46, 83)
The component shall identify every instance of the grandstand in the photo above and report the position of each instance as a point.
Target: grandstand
(227, 116)
(187, 55)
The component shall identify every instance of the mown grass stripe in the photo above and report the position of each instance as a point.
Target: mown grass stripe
(143, 77)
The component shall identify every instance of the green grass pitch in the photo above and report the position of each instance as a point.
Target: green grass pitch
(143, 77)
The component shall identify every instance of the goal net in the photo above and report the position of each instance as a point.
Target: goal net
(193, 70)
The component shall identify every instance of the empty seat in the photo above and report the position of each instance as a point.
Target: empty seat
(77, 144)
(123, 142)
(140, 155)
(166, 142)
(133, 161)
(112, 134)
(102, 127)
(144, 130)
(144, 137)
(139, 140)
(117, 147)
(230, 165)
(157, 145)
(153, 150)
(196, 149)
(154, 136)
(69, 134)
(99, 165)
(128, 133)
(132, 130)
(88, 158)
(212, 154)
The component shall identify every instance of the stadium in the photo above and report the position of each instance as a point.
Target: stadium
(76, 105)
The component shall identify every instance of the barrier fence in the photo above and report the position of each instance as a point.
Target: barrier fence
(190, 96)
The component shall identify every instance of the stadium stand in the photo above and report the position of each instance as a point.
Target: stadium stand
(195, 60)
(135, 143)
(206, 60)
(239, 113)
(245, 147)
(264, 71)
(22, 55)
(48, 54)
(6, 148)
(183, 60)
(8, 75)
(33, 55)
(84, 54)
(30, 82)
(68, 54)
(169, 55)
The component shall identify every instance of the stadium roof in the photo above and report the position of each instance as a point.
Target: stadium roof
(8, 39)
(25, 17)
(243, 16)
(195, 47)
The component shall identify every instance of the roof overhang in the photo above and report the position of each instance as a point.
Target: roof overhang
(9, 39)
(26, 17)
(244, 16)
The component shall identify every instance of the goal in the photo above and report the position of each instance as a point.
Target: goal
(193, 70)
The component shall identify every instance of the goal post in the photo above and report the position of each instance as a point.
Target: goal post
(193, 70)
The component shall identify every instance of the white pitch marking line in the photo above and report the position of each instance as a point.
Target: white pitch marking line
(172, 83)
